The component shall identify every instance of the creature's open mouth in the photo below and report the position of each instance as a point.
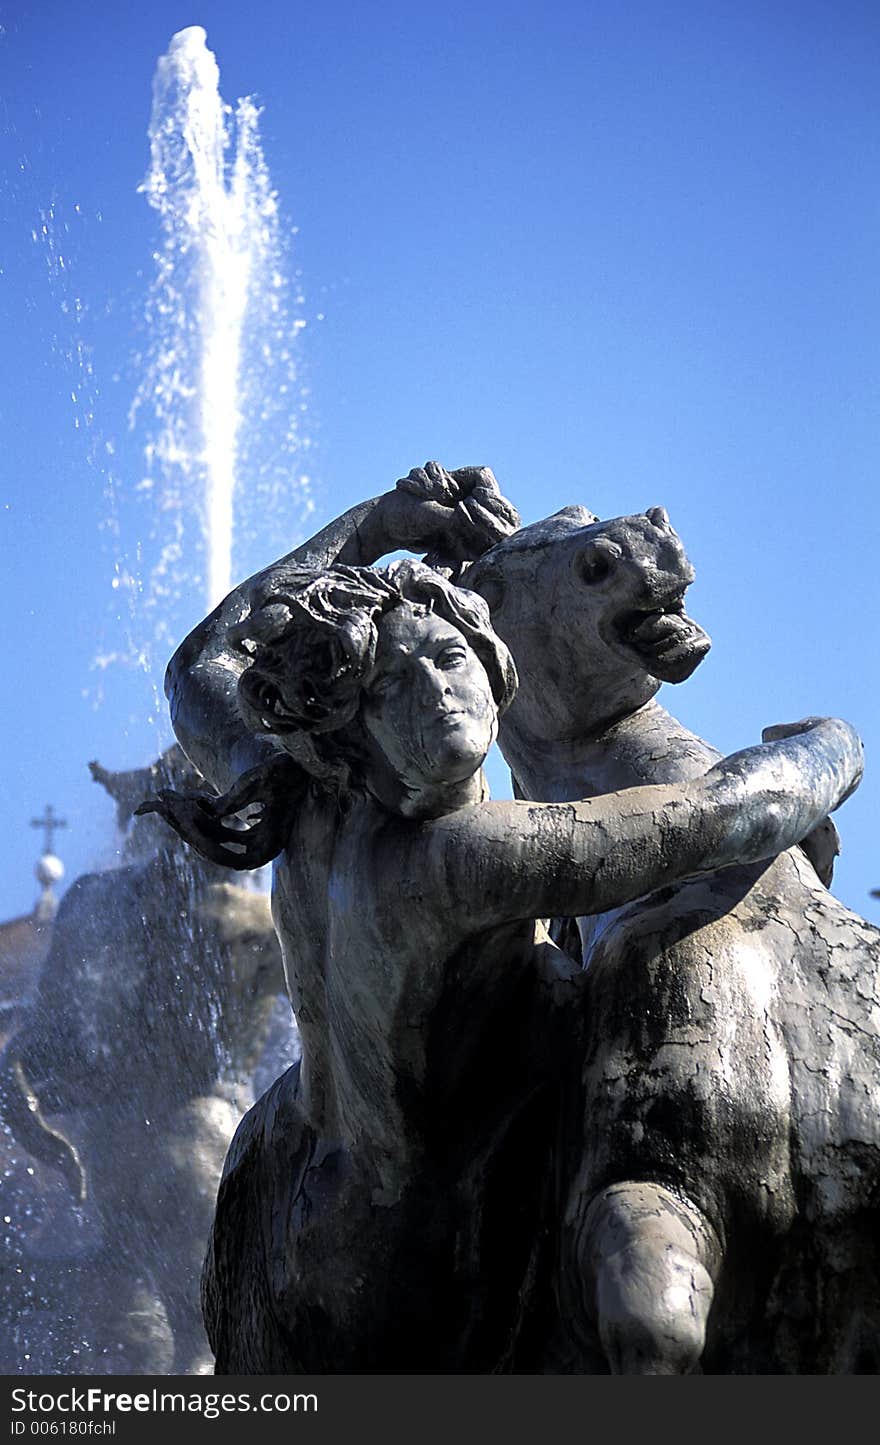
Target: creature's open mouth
(669, 643)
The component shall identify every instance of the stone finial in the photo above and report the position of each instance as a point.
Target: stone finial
(49, 870)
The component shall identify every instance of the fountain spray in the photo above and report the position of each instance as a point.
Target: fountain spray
(218, 278)
(177, 1021)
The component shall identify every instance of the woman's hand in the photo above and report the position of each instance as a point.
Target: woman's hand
(213, 825)
(458, 515)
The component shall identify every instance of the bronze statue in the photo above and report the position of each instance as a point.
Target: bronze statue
(729, 1077)
(393, 1205)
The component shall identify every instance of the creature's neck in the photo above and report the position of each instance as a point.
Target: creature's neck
(647, 745)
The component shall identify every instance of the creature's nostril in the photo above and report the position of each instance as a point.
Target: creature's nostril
(659, 516)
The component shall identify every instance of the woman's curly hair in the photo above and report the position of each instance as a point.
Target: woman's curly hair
(312, 652)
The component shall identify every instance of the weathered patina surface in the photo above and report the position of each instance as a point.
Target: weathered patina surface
(395, 1204)
(730, 1073)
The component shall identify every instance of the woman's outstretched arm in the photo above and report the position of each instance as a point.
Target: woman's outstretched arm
(501, 861)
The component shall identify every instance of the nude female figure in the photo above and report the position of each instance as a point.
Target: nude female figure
(387, 1208)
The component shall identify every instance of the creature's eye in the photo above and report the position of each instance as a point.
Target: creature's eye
(597, 560)
(595, 569)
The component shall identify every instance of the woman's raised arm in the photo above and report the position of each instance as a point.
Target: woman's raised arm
(501, 861)
(201, 681)
(459, 513)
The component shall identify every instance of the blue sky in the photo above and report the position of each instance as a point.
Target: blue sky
(626, 255)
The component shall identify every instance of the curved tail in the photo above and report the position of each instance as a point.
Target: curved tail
(20, 1108)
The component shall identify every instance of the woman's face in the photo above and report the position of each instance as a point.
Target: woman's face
(429, 707)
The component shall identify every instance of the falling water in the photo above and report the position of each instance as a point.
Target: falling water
(218, 310)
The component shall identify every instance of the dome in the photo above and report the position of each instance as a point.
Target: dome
(49, 870)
